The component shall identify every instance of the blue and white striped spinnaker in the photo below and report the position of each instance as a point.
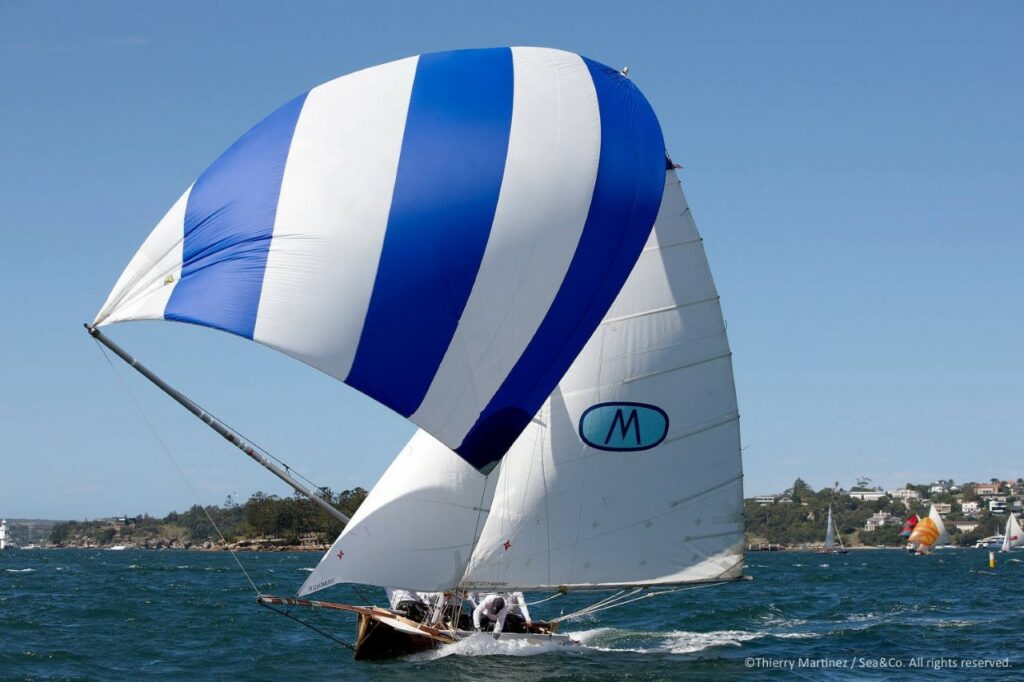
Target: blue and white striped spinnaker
(443, 233)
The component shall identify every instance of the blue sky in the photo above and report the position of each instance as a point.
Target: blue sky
(857, 173)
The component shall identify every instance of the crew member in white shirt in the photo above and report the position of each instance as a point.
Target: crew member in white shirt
(491, 609)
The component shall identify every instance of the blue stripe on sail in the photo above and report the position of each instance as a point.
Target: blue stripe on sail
(446, 191)
(229, 221)
(627, 195)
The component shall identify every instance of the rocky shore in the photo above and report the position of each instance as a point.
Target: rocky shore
(161, 543)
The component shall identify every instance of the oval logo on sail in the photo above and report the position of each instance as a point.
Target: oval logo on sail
(623, 427)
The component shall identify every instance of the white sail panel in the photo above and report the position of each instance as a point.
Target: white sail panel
(571, 514)
(417, 527)
(830, 538)
(943, 538)
(1014, 535)
(145, 286)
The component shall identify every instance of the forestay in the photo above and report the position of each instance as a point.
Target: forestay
(593, 494)
(442, 233)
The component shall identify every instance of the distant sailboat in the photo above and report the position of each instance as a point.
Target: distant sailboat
(1014, 535)
(908, 528)
(929, 533)
(3, 534)
(831, 535)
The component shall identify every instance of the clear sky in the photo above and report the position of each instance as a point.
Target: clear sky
(857, 172)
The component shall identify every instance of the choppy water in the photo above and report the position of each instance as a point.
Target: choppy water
(178, 615)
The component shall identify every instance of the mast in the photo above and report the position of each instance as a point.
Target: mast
(220, 427)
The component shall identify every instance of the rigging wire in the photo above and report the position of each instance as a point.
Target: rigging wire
(263, 451)
(556, 595)
(178, 468)
(312, 627)
(188, 484)
(622, 598)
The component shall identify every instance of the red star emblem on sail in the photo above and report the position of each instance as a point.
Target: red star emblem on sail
(507, 545)
(341, 554)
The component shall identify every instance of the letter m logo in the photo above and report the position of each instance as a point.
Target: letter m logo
(624, 424)
(623, 427)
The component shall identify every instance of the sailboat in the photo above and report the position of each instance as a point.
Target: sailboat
(3, 533)
(1014, 535)
(460, 295)
(831, 535)
(929, 533)
(629, 478)
(908, 529)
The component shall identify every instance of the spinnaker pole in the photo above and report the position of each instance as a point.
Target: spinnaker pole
(220, 427)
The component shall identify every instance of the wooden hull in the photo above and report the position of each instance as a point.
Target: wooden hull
(384, 634)
(377, 640)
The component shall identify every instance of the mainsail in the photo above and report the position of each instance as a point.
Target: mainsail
(442, 233)
(1014, 535)
(630, 474)
(830, 538)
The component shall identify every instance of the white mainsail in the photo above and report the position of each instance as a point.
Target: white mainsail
(566, 514)
(943, 538)
(562, 513)
(830, 538)
(1014, 535)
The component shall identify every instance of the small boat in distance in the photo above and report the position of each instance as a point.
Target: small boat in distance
(831, 535)
(929, 533)
(908, 528)
(991, 542)
(1014, 535)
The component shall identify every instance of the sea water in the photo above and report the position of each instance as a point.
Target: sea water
(93, 614)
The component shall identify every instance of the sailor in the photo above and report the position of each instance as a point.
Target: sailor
(519, 615)
(410, 603)
(491, 609)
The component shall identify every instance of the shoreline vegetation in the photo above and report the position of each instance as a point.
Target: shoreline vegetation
(263, 522)
(870, 517)
(867, 518)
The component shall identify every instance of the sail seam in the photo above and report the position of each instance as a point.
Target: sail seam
(662, 247)
(680, 367)
(673, 508)
(664, 309)
(701, 429)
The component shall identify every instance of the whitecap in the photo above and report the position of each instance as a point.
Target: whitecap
(484, 644)
(20, 570)
(681, 642)
(307, 570)
(674, 641)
